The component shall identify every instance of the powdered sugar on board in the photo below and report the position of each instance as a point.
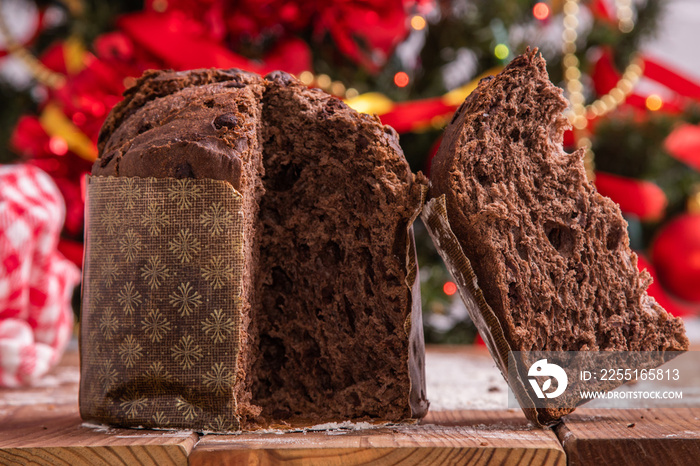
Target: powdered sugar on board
(345, 425)
(132, 432)
(332, 428)
(461, 382)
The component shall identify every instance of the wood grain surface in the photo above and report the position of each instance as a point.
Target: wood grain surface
(456, 437)
(41, 425)
(632, 436)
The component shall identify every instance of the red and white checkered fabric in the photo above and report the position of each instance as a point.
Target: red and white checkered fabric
(36, 281)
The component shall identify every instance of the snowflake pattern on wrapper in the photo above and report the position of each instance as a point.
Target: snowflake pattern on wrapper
(162, 303)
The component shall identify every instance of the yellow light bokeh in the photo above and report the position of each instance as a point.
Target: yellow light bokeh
(501, 51)
(337, 88)
(580, 122)
(654, 102)
(323, 81)
(418, 23)
(625, 26)
(306, 77)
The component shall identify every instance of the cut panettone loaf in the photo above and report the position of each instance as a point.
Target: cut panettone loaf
(551, 255)
(339, 197)
(330, 321)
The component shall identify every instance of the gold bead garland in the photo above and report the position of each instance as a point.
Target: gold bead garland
(580, 113)
(324, 82)
(42, 74)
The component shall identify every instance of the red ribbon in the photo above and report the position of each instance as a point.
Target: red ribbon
(684, 144)
(605, 77)
(180, 43)
(671, 79)
(643, 199)
(408, 116)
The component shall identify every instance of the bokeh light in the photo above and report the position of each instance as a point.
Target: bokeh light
(401, 79)
(418, 23)
(501, 51)
(324, 81)
(58, 145)
(306, 77)
(79, 118)
(449, 288)
(654, 102)
(540, 11)
(337, 88)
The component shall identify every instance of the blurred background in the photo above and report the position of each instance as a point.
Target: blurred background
(631, 69)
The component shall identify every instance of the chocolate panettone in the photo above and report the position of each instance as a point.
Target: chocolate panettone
(330, 325)
(339, 198)
(551, 256)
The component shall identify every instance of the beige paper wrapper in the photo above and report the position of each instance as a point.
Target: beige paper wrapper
(161, 312)
(413, 325)
(435, 219)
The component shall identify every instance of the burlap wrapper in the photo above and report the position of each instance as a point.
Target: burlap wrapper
(161, 314)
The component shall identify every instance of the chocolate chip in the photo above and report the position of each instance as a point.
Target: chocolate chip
(513, 293)
(227, 120)
(332, 255)
(560, 236)
(184, 170)
(515, 135)
(104, 134)
(334, 104)
(235, 84)
(280, 77)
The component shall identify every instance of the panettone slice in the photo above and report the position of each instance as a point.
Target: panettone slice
(543, 259)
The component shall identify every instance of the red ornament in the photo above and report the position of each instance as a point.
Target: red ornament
(657, 291)
(676, 255)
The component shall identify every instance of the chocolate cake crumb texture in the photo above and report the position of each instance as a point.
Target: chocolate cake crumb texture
(551, 254)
